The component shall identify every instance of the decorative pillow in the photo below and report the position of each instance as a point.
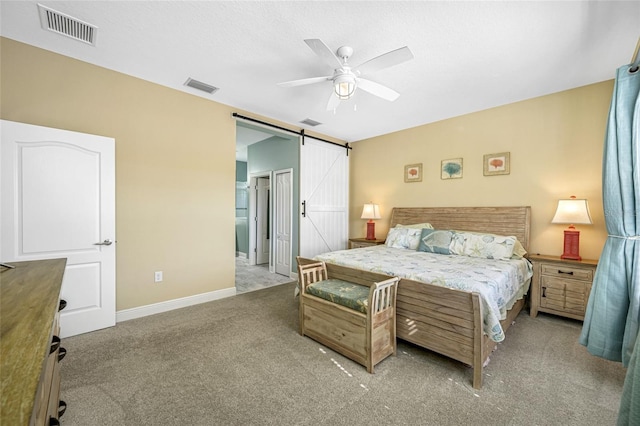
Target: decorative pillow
(482, 245)
(407, 238)
(518, 251)
(416, 226)
(435, 241)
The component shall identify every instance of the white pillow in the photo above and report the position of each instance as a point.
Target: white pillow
(407, 238)
(486, 246)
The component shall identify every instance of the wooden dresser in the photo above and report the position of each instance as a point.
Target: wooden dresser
(30, 343)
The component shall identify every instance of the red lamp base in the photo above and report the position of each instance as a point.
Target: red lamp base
(571, 244)
(371, 230)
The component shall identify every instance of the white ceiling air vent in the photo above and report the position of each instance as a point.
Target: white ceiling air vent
(66, 25)
(200, 85)
(310, 122)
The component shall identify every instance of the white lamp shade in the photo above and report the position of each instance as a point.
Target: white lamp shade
(370, 211)
(572, 211)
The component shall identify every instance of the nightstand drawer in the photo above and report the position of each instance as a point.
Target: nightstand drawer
(355, 244)
(566, 272)
(363, 242)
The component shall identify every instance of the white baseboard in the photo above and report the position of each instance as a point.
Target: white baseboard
(169, 305)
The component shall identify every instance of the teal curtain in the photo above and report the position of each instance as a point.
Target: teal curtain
(629, 413)
(613, 312)
(611, 321)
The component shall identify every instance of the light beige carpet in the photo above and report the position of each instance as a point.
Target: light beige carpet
(241, 361)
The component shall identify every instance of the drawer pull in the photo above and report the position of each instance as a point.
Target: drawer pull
(62, 407)
(63, 304)
(55, 344)
(61, 354)
(544, 292)
(565, 272)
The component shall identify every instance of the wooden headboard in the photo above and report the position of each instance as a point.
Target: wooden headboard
(514, 221)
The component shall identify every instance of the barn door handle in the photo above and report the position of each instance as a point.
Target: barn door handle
(304, 209)
(106, 242)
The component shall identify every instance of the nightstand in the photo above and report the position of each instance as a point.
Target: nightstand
(363, 242)
(561, 286)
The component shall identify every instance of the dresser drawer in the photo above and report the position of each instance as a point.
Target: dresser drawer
(565, 271)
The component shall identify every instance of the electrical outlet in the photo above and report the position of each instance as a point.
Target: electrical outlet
(158, 276)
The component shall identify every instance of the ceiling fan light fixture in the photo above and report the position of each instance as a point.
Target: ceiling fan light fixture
(344, 86)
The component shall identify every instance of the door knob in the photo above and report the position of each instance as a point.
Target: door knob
(106, 242)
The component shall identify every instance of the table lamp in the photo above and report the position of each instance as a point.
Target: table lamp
(371, 211)
(572, 211)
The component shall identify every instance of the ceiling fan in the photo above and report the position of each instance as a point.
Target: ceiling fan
(346, 79)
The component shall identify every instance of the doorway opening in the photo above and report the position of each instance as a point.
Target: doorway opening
(260, 220)
(267, 164)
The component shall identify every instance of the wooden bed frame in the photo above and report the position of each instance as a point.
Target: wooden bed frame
(449, 321)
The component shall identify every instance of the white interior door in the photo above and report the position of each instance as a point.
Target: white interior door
(58, 201)
(263, 226)
(324, 192)
(283, 204)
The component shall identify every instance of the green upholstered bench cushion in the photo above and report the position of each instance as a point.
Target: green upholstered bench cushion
(354, 296)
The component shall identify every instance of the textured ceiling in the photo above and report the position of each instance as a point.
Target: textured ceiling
(469, 56)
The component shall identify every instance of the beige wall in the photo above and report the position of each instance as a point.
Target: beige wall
(555, 142)
(175, 167)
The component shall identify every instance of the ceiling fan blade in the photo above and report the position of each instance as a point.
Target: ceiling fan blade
(386, 60)
(378, 89)
(324, 52)
(333, 103)
(302, 82)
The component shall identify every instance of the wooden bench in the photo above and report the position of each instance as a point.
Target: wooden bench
(359, 323)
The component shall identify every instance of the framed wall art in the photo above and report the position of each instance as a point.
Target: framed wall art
(413, 172)
(451, 169)
(496, 164)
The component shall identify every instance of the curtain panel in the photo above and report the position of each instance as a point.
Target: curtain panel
(611, 320)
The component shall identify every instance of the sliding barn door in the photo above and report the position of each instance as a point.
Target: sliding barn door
(324, 194)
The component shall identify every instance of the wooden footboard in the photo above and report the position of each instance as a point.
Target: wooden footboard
(443, 320)
(447, 321)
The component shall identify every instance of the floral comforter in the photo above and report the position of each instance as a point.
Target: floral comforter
(500, 283)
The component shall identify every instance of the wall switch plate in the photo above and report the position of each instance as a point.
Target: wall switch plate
(158, 276)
